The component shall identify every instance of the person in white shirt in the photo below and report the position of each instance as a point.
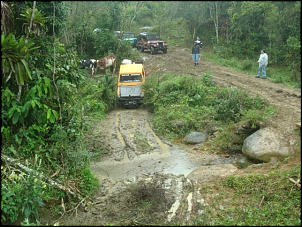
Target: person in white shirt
(263, 61)
(198, 41)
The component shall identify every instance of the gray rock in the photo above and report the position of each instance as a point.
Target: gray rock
(265, 145)
(195, 138)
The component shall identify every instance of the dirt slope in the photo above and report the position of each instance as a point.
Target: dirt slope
(140, 167)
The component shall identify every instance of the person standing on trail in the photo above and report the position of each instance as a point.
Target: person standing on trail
(198, 43)
(263, 61)
(196, 53)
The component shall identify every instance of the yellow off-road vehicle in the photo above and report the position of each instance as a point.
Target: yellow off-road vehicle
(131, 77)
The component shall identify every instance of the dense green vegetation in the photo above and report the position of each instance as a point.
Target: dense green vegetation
(46, 101)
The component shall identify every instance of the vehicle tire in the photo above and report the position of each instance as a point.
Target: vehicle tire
(152, 50)
(142, 49)
(165, 51)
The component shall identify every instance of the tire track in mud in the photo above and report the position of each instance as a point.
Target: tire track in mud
(134, 147)
(135, 135)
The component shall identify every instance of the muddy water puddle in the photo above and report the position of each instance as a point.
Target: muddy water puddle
(176, 161)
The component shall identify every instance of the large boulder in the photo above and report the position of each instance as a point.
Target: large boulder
(265, 145)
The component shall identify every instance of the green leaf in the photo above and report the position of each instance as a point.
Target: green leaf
(48, 114)
(55, 113)
(19, 75)
(26, 67)
(39, 91)
(52, 118)
(38, 103)
(25, 108)
(47, 85)
(11, 111)
(33, 103)
(15, 117)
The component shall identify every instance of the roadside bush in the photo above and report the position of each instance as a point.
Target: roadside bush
(207, 80)
(104, 43)
(256, 116)
(177, 120)
(88, 184)
(247, 65)
(98, 95)
(108, 95)
(22, 193)
(170, 89)
(173, 120)
(221, 51)
(230, 104)
(11, 200)
(151, 94)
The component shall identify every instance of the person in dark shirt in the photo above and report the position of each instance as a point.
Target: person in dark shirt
(196, 53)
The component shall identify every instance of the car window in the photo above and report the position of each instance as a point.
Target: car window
(134, 77)
(153, 36)
(128, 35)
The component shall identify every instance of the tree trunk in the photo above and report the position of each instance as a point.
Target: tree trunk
(214, 14)
(31, 20)
(138, 5)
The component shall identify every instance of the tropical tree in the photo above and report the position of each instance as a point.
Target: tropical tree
(34, 21)
(14, 65)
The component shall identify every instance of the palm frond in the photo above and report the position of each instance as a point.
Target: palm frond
(14, 55)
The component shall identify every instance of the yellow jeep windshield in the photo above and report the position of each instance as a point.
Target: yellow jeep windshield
(134, 77)
(131, 73)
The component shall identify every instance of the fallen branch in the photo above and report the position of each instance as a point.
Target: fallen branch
(261, 201)
(40, 175)
(295, 182)
(56, 222)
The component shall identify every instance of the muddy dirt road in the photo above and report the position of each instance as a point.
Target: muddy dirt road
(139, 162)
